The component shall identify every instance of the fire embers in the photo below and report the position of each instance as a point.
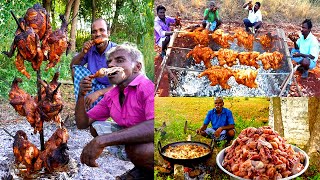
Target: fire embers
(48, 108)
(260, 153)
(55, 154)
(33, 29)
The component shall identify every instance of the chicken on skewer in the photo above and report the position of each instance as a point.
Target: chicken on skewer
(25, 105)
(201, 53)
(266, 41)
(249, 58)
(293, 36)
(107, 71)
(271, 60)
(246, 77)
(222, 38)
(218, 75)
(24, 151)
(55, 154)
(200, 36)
(244, 39)
(226, 56)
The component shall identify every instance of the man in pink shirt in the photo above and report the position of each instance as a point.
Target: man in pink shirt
(130, 104)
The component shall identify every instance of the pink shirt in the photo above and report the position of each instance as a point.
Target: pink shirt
(138, 104)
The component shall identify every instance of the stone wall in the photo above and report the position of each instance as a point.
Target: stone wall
(295, 119)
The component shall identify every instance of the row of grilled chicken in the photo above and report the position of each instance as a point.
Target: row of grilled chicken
(201, 36)
(48, 108)
(220, 75)
(53, 157)
(229, 57)
(36, 42)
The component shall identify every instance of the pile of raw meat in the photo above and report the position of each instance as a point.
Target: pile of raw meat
(260, 153)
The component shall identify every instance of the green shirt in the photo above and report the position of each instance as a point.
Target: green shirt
(212, 15)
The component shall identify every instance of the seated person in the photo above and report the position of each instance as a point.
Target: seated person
(94, 56)
(162, 31)
(222, 123)
(254, 18)
(211, 18)
(306, 49)
(131, 105)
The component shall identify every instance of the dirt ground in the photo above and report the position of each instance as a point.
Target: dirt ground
(109, 165)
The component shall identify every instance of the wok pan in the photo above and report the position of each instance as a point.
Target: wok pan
(185, 161)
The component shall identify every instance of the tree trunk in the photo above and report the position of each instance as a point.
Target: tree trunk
(314, 128)
(278, 123)
(94, 10)
(74, 25)
(47, 5)
(115, 20)
(68, 9)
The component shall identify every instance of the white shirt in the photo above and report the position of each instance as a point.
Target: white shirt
(254, 17)
(310, 45)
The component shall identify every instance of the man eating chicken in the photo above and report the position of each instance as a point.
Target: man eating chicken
(130, 104)
(93, 54)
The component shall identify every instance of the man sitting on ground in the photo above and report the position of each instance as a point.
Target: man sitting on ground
(306, 49)
(254, 18)
(211, 18)
(222, 123)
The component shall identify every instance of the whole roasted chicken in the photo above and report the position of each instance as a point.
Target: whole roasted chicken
(266, 41)
(57, 44)
(202, 53)
(222, 38)
(38, 19)
(249, 58)
(226, 56)
(24, 151)
(246, 77)
(218, 75)
(244, 39)
(25, 105)
(200, 36)
(51, 104)
(28, 44)
(271, 60)
(55, 154)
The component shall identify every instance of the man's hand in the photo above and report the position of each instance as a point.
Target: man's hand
(85, 85)
(218, 132)
(86, 46)
(297, 54)
(91, 98)
(91, 152)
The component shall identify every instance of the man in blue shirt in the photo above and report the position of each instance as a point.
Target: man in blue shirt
(306, 49)
(222, 123)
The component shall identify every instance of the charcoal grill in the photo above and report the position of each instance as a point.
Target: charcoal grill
(271, 82)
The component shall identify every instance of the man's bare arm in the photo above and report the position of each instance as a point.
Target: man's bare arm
(140, 133)
(231, 126)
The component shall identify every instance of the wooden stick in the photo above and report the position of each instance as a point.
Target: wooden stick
(41, 116)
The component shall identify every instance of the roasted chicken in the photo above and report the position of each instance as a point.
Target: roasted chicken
(28, 44)
(271, 60)
(218, 75)
(107, 71)
(51, 104)
(266, 41)
(202, 53)
(244, 39)
(222, 38)
(200, 36)
(57, 44)
(25, 105)
(38, 19)
(249, 58)
(226, 56)
(24, 151)
(55, 154)
(246, 77)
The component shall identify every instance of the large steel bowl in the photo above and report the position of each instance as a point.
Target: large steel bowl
(221, 155)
